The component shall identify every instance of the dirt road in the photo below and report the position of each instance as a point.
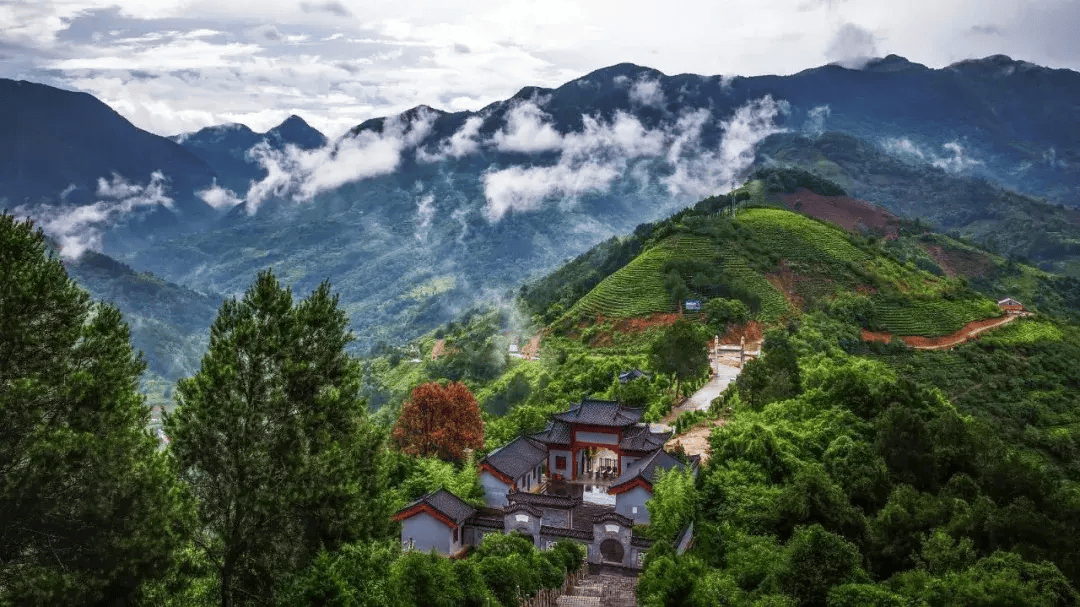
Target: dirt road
(967, 333)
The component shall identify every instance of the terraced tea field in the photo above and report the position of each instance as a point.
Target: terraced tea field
(638, 289)
(931, 317)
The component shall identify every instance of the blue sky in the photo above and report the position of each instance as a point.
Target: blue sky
(178, 65)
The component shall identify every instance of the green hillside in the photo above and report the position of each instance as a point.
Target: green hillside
(782, 263)
(638, 288)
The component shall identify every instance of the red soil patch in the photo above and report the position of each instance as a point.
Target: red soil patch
(964, 263)
(882, 336)
(752, 332)
(970, 331)
(642, 323)
(439, 349)
(849, 213)
(532, 349)
(696, 440)
(787, 282)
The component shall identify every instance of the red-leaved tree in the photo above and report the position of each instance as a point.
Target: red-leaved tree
(439, 420)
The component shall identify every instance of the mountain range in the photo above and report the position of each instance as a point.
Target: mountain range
(418, 216)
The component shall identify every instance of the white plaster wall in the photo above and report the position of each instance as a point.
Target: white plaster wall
(494, 490)
(427, 532)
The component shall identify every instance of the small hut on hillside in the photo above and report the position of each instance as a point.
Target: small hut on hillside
(1011, 306)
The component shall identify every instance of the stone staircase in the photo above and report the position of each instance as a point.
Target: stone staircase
(601, 590)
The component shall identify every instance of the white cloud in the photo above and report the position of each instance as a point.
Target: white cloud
(702, 172)
(852, 46)
(525, 189)
(1051, 159)
(527, 130)
(219, 197)
(462, 143)
(590, 160)
(904, 148)
(815, 119)
(957, 159)
(954, 159)
(79, 228)
(425, 211)
(302, 174)
(647, 92)
(623, 137)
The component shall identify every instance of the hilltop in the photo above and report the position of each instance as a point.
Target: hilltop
(769, 244)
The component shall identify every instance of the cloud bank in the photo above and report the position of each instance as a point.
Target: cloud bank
(955, 158)
(300, 175)
(590, 160)
(79, 228)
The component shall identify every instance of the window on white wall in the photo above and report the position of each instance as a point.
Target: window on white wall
(633, 510)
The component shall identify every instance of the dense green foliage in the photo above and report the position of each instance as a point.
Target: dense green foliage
(88, 507)
(858, 482)
(788, 179)
(503, 570)
(271, 439)
(681, 351)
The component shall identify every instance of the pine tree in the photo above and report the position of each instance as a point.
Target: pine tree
(273, 439)
(87, 510)
(440, 420)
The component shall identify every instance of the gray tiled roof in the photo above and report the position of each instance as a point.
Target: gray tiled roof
(616, 517)
(641, 438)
(517, 457)
(585, 513)
(487, 517)
(533, 510)
(564, 532)
(446, 503)
(600, 413)
(648, 467)
(556, 433)
(543, 500)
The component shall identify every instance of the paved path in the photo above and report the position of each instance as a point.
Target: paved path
(601, 590)
(700, 400)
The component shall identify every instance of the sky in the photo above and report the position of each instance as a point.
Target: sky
(173, 66)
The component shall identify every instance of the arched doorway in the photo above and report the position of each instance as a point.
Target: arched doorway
(611, 551)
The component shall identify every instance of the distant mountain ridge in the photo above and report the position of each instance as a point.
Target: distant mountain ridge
(56, 145)
(414, 217)
(226, 148)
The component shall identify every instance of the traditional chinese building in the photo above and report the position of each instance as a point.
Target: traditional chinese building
(536, 484)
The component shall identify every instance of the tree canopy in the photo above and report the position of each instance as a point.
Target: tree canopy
(681, 351)
(86, 499)
(272, 440)
(440, 420)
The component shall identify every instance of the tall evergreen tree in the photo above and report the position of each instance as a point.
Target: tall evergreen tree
(273, 440)
(86, 499)
(682, 350)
